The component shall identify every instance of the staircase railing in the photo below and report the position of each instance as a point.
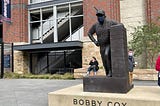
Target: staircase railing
(76, 34)
(50, 30)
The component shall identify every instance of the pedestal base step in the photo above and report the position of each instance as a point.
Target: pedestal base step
(74, 96)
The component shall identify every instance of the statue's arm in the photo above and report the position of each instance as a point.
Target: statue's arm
(90, 35)
(113, 22)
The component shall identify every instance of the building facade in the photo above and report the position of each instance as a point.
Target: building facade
(50, 36)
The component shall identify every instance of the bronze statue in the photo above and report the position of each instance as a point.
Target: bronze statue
(102, 30)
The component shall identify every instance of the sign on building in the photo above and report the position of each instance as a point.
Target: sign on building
(6, 10)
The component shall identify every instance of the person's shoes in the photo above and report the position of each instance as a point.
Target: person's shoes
(95, 73)
(109, 74)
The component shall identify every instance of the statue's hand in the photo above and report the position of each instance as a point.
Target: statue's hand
(96, 43)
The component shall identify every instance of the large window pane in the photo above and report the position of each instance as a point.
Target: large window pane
(76, 23)
(47, 26)
(63, 11)
(35, 30)
(48, 31)
(35, 15)
(47, 13)
(76, 29)
(63, 30)
(76, 8)
(38, 1)
(69, 19)
(47, 17)
(63, 21)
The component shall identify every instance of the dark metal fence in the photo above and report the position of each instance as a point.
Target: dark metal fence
(1, 60)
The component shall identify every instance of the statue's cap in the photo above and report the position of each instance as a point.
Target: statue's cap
(100, 13)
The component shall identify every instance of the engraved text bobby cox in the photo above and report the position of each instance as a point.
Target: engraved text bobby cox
(87, 102)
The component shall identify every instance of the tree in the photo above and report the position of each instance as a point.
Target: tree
(146, 42)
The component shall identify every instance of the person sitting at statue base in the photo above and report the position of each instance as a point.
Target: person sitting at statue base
(93, 66)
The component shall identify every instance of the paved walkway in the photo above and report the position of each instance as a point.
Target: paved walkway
(30, 92)
(34, 92)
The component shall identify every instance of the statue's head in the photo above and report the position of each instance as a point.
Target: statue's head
(100, 13)
(100, 16)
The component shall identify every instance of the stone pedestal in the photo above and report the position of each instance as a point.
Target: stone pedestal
(119, 82)
(106, 84)
(74, 96)
(119, 54)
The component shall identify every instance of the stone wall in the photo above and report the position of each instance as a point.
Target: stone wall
(132, 14)
(89, 50)
(138, 74)
(21, 62)
(145, 74)
(138, 12)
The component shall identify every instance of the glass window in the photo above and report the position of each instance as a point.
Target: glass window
(38, 1)
(35, 30)
(69, 19)
(47, 13)
(76, 8)
(63, 22)
(47, 17)
(35, 15)
(63, 30)
(63, 11)
(76, 23)
(41, 27)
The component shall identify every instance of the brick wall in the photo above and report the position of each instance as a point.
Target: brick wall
(17, 30)
(111, 7)
(153, 11)
(89, 50)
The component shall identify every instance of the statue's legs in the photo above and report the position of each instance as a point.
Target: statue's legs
(106, 59)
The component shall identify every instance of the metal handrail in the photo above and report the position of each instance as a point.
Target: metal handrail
(73, 32)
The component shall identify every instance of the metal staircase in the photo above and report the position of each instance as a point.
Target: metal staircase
(48, 28)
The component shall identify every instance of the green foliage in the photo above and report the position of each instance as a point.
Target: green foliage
(11, 75)
(146, 42)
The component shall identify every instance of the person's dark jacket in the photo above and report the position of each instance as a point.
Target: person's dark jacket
(131, 63)
(94, 64)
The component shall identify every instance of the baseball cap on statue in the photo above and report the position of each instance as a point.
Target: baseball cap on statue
(100, 13)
